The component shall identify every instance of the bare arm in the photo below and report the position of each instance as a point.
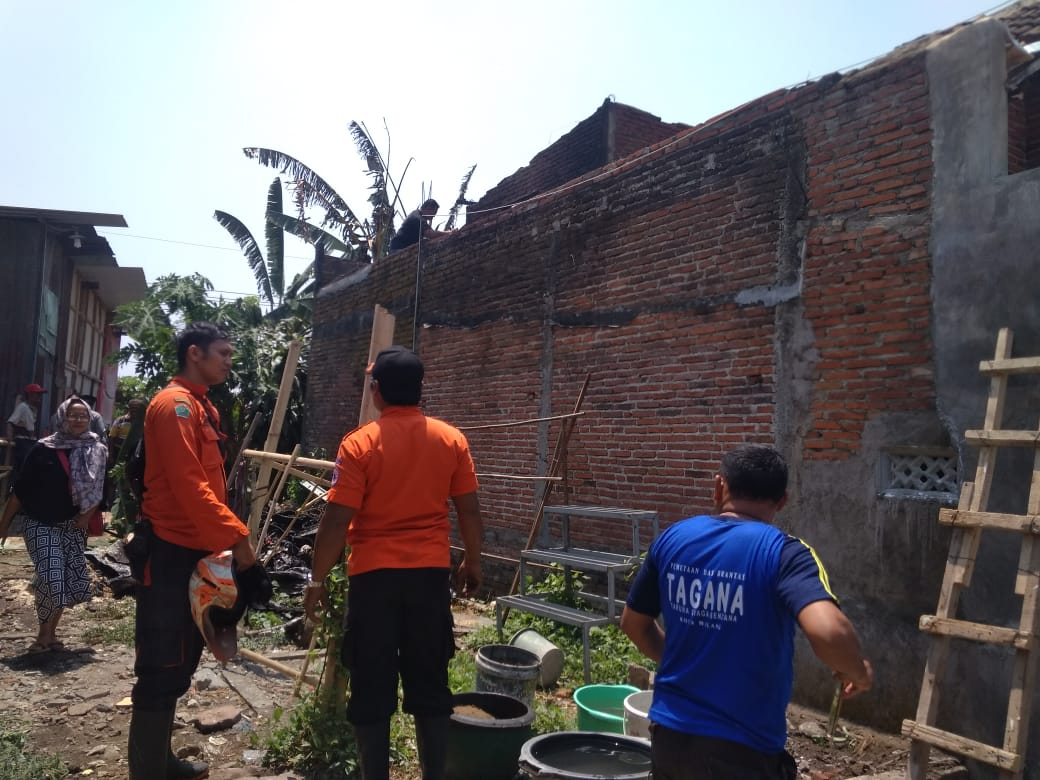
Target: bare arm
(471, 529)
(644, 633)
(835, 642)
(328, 551)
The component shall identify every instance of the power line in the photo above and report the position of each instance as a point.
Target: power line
(186, 243)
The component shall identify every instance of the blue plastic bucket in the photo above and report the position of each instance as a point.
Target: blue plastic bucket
(602, 707)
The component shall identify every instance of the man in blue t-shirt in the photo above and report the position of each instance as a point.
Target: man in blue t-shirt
(730, 588)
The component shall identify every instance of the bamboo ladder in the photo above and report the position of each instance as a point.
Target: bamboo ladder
(968, 520)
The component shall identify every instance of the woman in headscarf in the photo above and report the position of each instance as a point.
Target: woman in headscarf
(57, 491)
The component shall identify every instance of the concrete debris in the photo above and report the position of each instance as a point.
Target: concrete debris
(217, 719)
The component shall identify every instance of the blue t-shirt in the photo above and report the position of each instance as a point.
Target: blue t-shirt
(729, 592)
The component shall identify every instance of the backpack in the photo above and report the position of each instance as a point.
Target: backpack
(136, 462)
(135, 470)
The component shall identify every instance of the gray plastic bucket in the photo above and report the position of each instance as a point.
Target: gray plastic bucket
(510, 670)
(549, 655)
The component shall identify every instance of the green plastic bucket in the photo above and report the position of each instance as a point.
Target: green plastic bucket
(602, 707)
(485, 735)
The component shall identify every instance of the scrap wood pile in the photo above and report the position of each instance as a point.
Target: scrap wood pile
(286, 551)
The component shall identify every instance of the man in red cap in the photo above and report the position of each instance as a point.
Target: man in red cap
(21, 425)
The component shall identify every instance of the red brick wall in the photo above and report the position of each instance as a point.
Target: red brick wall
(660, 278)
(867, 270)
(631, 279)
(612, 132)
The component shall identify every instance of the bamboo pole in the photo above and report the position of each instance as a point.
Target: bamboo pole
(283, 458)
(288, 671)
(284, 478)
(519, 422)
(263, 480)
(554, 465)
(279, 460)
(241, 450)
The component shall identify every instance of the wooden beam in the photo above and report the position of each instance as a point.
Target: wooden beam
(1023, 365)
(1003, 438)
(383, 323)
(976, 632)
(996, 521)
(954, 743)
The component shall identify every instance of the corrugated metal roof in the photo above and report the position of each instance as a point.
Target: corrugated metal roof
(68, 217)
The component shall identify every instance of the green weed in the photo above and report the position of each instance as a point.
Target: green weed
(20, 762)
(113, 623)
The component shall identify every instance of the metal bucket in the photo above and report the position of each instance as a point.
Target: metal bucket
(549, 655)
(510, 670)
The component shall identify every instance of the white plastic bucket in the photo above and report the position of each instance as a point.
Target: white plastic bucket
(637, 714)
(549, 655)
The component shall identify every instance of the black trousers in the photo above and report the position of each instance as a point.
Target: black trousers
(168, 642)
(679, 756)
(398, 625)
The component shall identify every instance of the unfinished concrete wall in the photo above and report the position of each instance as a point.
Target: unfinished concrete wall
(985, 234)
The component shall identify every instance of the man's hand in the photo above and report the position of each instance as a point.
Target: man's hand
(470, 576)
(854, 686)
(316, 595)
(242, 552)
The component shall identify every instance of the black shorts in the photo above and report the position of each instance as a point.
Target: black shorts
(679, 756)
(398, 624)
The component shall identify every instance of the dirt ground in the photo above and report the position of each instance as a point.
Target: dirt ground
(75, 702)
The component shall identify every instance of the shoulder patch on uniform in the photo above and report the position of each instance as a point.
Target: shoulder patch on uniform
(182, 410)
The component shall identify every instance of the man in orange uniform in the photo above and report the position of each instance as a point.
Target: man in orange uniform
(389, 501)
(185, 502)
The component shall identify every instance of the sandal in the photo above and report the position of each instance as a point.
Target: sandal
(38, 647)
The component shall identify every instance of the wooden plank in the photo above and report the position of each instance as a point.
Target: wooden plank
(954, 743)
(976, 632)
(382, 337)
(1010, 366)
(1002, 438)
(991, 520)
(263, 479)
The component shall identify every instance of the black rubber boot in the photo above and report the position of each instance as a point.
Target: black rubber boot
(184, 768)
(431, 736)
(373, 744)
(149, 743)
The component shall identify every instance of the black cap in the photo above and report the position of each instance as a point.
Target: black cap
(399, 372)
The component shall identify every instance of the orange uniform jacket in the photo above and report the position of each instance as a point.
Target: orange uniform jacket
(185, 489)
(398, 472)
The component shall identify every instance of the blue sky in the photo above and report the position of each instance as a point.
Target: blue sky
(142, 108)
